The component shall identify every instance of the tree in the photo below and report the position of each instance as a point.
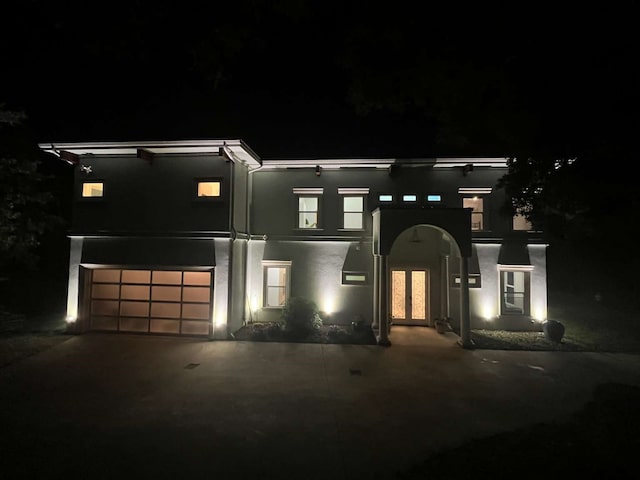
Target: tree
(26, 206)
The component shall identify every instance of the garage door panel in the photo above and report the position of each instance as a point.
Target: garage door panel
(134, 309)
(171, 294)
(165, 326)
(135, 292)
(196, 294)
(104, 307)
(106, 276)
(106, 291)
(197, 278)
(195, 328)
(104, 323)
(136, 276)
(195, 311)
(134, 324)
(166, 310)
(167, 278)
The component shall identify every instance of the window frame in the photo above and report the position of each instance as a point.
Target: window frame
(346, 273)
(199, 180)
(318, 212)
(526, 294)
(361, 212)
(266, 265)
(483, 222)
(91, 198)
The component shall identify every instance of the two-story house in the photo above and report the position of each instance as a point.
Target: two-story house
(200, 237)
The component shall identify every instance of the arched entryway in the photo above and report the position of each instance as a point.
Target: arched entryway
(414, 252)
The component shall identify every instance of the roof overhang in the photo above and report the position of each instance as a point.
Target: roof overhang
(235, 150)
(382, 163)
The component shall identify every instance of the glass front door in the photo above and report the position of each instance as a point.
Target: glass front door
(409, 295)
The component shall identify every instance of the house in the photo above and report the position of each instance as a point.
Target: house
(200, 237)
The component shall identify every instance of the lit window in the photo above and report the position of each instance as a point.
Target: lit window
(409, 198)
(209, 189)
(92, 189)
(434, 198)
(385, 197)
(520, 222)
(477, 214)
(353, 212)
(354, 278)
(308, 213)
(514, 286)
(276, 284)
(475, 280)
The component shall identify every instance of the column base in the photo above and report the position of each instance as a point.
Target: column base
(384, 342)
(468, 345)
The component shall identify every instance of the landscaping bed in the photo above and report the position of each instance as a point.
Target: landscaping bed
(275, 332)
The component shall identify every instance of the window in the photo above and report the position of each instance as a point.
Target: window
(477, 214)
(514, 298)
(434, 198)
(385, 198)
(208, 188)
(92, 189)
(353, 212)
(475, 281)
(308, 211)
(520, 222)
(276, 284)
(410, 198)
(354, 278)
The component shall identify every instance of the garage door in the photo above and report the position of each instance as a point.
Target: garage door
(151, 301)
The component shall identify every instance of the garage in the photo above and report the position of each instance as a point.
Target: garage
(151, 301)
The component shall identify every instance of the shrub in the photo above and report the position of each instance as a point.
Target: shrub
(301, 316)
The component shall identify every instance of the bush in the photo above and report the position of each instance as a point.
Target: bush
(301, 316)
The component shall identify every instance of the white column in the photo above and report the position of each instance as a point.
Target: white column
(73, 289)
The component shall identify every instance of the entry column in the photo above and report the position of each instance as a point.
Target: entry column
(465, 323)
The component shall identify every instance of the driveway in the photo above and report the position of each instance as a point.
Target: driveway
(103, 406)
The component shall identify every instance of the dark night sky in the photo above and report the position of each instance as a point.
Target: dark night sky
(283, 75)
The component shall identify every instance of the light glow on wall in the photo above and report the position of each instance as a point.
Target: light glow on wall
(539, 313)
(71, 319)
(254, 303)
(328, 304)
(487, 311)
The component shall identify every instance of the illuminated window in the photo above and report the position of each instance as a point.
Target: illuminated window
(276, 284)
(308, 211)
(385, 198)
(410, 198)
(434, 198)
(92, 189)
(477, 214)
(208, 189)
(353, 212)
(520, 222)
(354, 278)
(475, 281)
(514, 287)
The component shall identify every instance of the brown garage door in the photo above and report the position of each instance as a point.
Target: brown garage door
(151, 301)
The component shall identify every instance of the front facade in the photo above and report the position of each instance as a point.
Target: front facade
(199, 238)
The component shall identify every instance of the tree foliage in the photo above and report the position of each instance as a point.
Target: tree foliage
(25, 203)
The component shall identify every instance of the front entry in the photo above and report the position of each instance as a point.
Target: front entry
(409, 296)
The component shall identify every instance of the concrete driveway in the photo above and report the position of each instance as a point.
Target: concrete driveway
(104, 406)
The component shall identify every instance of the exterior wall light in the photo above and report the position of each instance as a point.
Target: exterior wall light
(318, 170)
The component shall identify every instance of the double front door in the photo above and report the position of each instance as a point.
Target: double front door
(409, 295)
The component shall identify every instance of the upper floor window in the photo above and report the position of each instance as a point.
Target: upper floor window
(92, 189)
(477, 214)
(208, 189)
(308, 212)
(353, 212)
(308, 207)
(385, 198)
(409, 198)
